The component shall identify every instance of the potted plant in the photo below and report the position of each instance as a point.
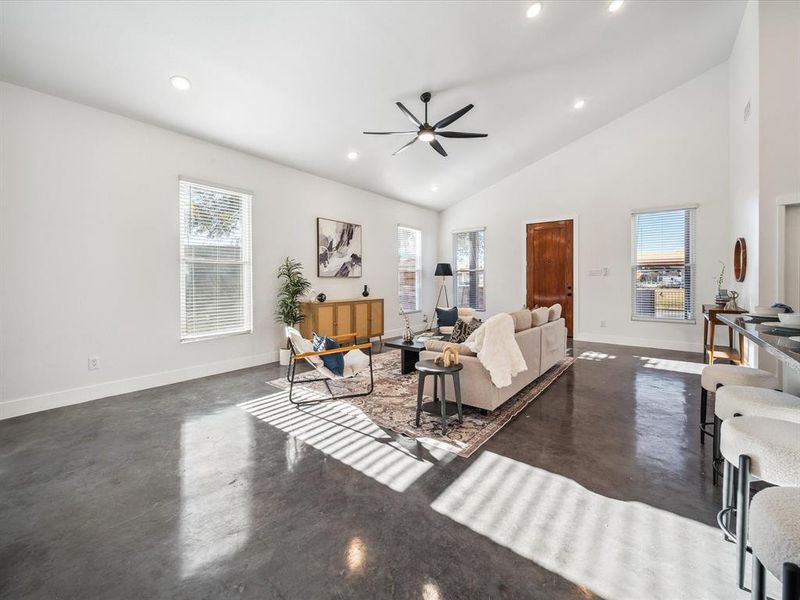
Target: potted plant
(293, 286)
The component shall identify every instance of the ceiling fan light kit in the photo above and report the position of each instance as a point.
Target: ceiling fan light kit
(428, 133)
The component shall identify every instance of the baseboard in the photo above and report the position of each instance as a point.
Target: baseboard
(31, 404)
(639, 342)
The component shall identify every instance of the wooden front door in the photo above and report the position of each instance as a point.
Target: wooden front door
(549, 252)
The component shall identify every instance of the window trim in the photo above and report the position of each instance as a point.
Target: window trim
(453, 235)
(418, 271)
(692, 210)
(248, 264)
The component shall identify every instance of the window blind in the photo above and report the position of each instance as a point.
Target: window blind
(215, 261)
(470, 277)
(409, 275)
(663, 272)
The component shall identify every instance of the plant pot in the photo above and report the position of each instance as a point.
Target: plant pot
(285, 355)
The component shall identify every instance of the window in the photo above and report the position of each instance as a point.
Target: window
(470, 277)
(409, 276)
(216, 296)
(663, 265)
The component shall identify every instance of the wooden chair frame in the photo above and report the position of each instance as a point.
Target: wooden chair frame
(292, 370)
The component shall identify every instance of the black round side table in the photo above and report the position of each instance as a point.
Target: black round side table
(428, 367)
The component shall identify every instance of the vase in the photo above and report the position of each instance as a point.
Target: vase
(365, 293)
(321, 297)
(285, 355)
(408, 335)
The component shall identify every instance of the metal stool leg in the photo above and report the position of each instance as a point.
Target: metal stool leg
(791, 581)
(443, 404)
(703, 412)
(727, 493)
(742, 510)
(457, 386)
(759, 586)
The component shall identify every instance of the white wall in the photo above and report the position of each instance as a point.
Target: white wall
(89, 250)
(671, 151)
(743, 147)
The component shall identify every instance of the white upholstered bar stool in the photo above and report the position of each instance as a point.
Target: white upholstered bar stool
(748, 401)
(775, 539)
(754, 448)
(715, 376)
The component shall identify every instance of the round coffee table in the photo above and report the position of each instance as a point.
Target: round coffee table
(428, 367)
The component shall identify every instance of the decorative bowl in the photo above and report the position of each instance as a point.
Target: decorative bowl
(789, 318)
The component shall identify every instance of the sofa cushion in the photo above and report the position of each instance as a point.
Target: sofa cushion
(440, 345)
(463, 329)
(522, 320)
(539, 316)
(555, 312)
(446, 316)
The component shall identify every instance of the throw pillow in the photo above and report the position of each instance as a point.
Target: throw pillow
(446, 317)
(555, 312)
(539, 316)
(334, 362)
(463, 329)
(522, 320)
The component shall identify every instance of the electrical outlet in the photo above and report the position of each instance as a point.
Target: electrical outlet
(94, 363)
(602, 323)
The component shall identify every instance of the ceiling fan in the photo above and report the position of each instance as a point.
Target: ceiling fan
(429, 133)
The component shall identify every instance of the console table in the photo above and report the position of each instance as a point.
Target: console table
(362, 316)
(711, 314)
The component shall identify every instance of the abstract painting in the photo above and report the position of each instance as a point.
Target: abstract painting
(339, 253)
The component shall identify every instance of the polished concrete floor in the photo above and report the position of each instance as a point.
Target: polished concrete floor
(177, 492)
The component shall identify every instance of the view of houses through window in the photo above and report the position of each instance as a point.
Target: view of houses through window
(470, 276)
(409, 269)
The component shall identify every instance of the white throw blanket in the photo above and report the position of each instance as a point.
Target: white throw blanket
(497, 349)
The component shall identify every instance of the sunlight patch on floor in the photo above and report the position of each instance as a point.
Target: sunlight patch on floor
(678, 366)
(345, 433)
(595, 356)
(619, 550)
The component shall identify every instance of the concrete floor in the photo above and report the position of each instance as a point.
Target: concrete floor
(176, 492)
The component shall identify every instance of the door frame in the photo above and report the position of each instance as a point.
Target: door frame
(576, 289)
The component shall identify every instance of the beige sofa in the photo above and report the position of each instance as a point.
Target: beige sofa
(542, 346)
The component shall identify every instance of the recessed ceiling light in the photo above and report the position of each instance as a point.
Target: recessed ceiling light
(180, 83)
(579, 104)
(434, 188)
(615, 5)
(352, 155)
(534, 10)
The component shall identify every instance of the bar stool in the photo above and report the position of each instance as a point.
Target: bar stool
(775, 538)
(714, 376)
(739, 400)
(764, 449)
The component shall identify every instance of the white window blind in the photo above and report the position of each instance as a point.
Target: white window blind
(216, 291)
(470, 277)
(409, 275)
(663, 273)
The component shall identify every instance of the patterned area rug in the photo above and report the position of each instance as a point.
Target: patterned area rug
(393, 402)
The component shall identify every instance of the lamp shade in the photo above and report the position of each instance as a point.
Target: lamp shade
(443, 270)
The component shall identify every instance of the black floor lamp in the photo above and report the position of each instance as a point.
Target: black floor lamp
(442, 270)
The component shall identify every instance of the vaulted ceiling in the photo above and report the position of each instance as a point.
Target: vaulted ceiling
(297, 82)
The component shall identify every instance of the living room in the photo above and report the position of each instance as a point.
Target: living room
(292, 292)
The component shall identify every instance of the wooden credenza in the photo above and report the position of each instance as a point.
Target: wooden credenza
(364, 316)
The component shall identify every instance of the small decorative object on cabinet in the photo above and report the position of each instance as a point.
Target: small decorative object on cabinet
(292, 287)
(740, 259)
(321, 297)
(338, 249)
(365, 293)
(360, 316)
(731, 305)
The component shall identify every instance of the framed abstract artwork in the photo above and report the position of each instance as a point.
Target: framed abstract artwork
(338, 249)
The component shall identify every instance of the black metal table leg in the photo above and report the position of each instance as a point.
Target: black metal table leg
(457, 386)
(420, 390)
(443, 403)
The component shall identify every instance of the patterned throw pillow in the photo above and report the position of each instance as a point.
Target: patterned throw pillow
(334, 362)
(463, 329)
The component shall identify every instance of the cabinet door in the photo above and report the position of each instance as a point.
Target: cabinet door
(325, 319)
(344, 319)
(376, 318)
(309, 321)
(361, 318)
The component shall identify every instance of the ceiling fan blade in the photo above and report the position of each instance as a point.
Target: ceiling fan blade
(399, 150)
(456, 115)
(460, 134)
(407, 112)
(389, 132)
(438, 147)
